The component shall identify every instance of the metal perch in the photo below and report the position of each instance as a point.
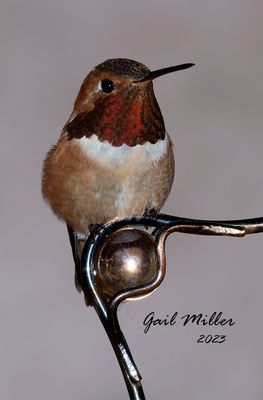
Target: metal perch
(124, 261)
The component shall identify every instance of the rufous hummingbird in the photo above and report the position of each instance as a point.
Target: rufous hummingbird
(114, 158)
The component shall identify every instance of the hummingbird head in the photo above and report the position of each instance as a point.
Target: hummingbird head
(116, 102)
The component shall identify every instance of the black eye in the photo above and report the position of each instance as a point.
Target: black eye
(107, 85)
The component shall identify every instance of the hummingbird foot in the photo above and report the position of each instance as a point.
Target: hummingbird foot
(150, 212)
(94, 230)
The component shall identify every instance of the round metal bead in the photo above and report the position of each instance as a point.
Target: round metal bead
(127, 260)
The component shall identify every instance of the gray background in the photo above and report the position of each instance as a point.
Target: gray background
(51, 345)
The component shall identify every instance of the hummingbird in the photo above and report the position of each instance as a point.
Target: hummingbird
(114, 158)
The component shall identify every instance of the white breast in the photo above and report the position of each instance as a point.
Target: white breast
(109, 155)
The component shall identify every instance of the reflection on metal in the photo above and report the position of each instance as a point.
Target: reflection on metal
(123, 261)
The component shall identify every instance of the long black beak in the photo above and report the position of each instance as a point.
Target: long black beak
(155, 74)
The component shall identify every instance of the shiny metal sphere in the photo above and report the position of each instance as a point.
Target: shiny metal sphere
(127, 259)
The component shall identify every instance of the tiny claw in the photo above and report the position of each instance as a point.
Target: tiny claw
(150, 212)
(94, 230)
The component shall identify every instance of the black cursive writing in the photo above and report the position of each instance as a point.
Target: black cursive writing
(149, 321)
(200, 319)
(215, 319)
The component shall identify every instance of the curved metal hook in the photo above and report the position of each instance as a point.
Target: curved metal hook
(107, 308)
